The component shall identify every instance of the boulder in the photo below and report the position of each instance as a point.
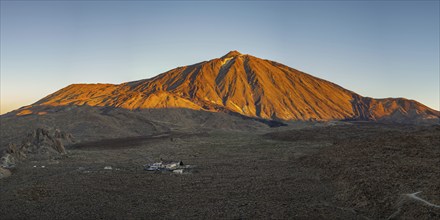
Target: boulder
(4, 173)
(7, 161)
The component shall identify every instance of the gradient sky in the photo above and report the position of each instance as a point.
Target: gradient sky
(377, 49)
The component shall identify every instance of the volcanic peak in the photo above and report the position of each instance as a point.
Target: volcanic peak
(231, 54)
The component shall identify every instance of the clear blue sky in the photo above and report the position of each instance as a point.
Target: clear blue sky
(377, 49)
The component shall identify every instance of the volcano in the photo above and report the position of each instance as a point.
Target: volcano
(250, 138)
(241, 84)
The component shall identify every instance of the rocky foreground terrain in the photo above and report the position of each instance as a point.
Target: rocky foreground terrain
(324, 171)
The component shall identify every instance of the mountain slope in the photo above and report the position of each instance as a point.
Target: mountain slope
(245, 85)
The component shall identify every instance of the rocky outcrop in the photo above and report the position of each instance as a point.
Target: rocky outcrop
(40, 144)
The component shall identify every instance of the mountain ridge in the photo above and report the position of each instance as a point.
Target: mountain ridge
(246, 85)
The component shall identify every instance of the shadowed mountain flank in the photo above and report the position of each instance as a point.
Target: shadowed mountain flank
(245, 85)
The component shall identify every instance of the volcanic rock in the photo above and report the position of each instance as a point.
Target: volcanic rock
(40, 144)
(4, 173)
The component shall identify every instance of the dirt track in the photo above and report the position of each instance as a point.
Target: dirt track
(336, 172)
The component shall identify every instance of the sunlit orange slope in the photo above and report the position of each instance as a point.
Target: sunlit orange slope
(246, 85)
